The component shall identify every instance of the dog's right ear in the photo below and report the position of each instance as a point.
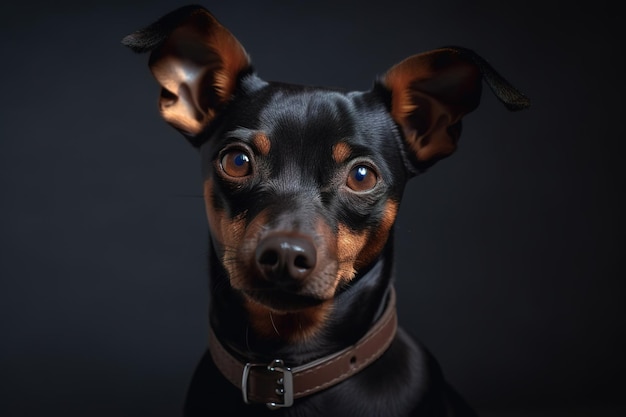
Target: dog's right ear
(196, 61)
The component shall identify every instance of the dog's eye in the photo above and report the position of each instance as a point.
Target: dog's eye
(362, 178)
(236, 164)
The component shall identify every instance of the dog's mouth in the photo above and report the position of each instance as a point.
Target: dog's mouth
(282, 300)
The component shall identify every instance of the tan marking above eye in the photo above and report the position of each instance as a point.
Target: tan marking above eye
(236, 163)
(262, 143)
(341, 152)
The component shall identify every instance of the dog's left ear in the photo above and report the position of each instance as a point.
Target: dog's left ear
(431, 92)
(197, 62)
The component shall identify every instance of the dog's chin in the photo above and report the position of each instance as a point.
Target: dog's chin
(283, 301)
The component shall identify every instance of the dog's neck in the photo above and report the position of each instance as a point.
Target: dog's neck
(354, 310)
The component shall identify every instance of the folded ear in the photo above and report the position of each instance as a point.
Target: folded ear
(431, 92)
(196, 61)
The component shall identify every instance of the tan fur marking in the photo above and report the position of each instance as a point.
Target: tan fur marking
(292, 326)
(262, 143)
(358, 249)
(241, 251)
(378, 237)
(232, 231)
(225, 231)
(341, 152)
(349, 245)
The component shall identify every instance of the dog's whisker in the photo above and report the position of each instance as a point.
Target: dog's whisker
(274, 325)
(248, 338)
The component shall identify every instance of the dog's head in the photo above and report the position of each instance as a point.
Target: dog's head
(302, 184)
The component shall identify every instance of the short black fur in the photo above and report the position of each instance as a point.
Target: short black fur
(279, 162)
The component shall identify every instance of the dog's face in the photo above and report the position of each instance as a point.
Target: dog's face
(301, 188)
(302, 185)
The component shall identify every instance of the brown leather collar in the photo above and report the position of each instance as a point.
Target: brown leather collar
(277, 385)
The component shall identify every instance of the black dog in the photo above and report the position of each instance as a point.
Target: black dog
(302, 186)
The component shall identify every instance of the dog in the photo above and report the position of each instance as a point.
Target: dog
(301, 187)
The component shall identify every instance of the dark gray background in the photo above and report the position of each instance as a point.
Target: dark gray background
(510, 253)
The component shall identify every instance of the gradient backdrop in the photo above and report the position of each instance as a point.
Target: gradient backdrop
(510, 253)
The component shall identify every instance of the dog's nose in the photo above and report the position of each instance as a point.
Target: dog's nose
(285, 259)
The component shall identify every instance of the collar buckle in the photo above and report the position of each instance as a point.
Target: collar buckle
(284, 383)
